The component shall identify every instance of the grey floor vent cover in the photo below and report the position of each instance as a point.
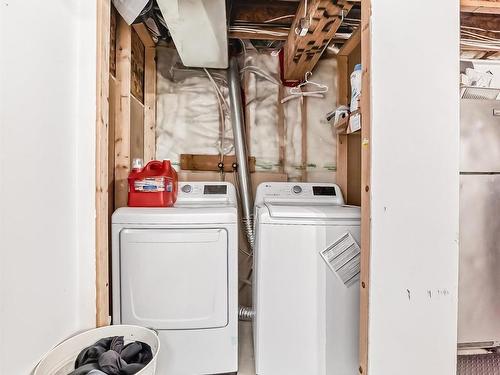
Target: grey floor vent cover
(478, 364)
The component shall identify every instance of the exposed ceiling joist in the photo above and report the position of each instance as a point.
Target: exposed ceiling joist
(351, 43)
(480, 35)
(262, 11)
(303, 52)
(480, 6)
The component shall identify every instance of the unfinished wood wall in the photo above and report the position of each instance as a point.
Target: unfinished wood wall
(126, 119)
(348, 144)
(365, 104)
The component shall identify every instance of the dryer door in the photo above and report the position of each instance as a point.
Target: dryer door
(174, 278)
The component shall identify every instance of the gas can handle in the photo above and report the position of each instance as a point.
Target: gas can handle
(154, 165)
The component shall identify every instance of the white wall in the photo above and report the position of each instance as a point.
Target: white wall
(47, 148)
(415, 150)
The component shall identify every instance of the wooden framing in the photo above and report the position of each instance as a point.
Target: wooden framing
(365, 184)
(144, 35)
(120, 123)
(194, 162)
(101, 199)
(480, 6)
(281, 130)
(137, 59)
(348, 145)
(303, 52)
(303, 120)
(150, 104)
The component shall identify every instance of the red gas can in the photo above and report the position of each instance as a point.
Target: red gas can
(155, 185)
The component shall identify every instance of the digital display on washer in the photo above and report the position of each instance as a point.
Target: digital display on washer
(324, 190)
(215, 189)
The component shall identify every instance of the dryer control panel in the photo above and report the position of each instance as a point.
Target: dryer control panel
(295, 192)
(206, 193)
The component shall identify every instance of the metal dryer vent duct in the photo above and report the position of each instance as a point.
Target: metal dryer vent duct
(240, 147)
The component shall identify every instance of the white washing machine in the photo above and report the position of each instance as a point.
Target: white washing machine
(306, 280)
(175, 270)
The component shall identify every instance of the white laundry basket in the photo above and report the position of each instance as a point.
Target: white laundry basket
(61, 359)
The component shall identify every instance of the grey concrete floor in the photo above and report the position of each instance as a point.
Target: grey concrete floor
(246, 359)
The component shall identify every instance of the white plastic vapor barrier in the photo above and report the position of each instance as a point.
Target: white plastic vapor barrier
(293, 137)
(321, 137)
(261, 102)
(188, 115)
(188, 111)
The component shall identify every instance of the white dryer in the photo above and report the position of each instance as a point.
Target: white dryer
(306, 280)
(175, 270)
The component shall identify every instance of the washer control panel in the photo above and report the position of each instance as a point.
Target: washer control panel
(290, 192)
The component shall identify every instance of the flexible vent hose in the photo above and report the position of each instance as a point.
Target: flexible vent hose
(246, 313)
(240, 148)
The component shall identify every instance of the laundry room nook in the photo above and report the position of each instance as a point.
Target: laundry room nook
(250, 187)
(254, 131)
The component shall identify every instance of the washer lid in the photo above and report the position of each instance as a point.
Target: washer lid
(315, 212)
(195, 214)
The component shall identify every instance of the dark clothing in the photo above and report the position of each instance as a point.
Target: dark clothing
(109, 356)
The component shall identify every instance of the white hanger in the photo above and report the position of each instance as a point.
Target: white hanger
(296, 92)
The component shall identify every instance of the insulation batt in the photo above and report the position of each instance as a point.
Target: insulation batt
(262, 100)
(188, 119)
(321, 137)
(261, 107)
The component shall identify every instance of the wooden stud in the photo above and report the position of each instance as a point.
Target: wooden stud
(150, 105)
(112, 41)
(365, 184)
(281, 130)
(348, 145)
(114, 96)
(122, 120)
(137, 61)
(351, 44)
(353, 190)
(101, 198)
(303, 52)
(303, 114)
(343, 88)
(342, 163)
(136, 129)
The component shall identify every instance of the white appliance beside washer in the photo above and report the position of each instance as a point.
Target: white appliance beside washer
(175, 270)
(306, 317)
